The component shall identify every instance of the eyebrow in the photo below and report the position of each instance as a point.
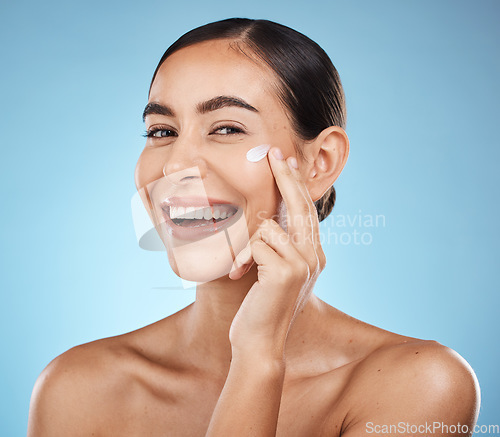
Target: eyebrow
(201, 108)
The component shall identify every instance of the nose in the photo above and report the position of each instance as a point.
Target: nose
(183, 177)
(184, 164)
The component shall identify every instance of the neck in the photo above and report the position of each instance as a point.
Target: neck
(209, 319)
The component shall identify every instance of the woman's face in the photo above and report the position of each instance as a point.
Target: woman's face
(216, 105)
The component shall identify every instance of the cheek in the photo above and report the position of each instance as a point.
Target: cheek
(147, 170)
(144, 171)
(257, 185)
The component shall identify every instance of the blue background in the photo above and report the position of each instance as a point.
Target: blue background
(421, 80)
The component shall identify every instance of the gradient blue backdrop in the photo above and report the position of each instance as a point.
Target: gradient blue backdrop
(421, 80)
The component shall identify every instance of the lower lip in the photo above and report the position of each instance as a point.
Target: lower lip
(196, 233)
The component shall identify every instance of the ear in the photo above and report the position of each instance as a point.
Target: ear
(326, 155)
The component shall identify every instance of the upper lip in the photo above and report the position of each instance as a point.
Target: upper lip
(193, 201)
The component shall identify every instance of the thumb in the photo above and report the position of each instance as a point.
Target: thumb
(242, 263)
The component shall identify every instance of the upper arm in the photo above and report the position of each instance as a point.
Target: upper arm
(414, 389)
(60, 402)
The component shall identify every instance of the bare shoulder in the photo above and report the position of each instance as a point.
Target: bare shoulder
(95, 387)
(82, 383)
(415, 382)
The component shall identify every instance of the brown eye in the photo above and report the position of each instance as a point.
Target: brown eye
(159, 133)
(228, 130)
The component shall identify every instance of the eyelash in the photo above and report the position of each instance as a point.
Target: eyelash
(151, 132)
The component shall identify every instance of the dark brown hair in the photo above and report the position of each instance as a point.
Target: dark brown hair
(309, 86)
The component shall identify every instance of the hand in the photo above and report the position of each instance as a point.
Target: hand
(288, 266)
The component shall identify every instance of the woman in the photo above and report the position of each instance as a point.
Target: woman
(257, 353)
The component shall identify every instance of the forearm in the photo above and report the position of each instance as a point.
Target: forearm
(250, 400)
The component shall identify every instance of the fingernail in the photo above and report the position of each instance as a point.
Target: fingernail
(240, 257)
(243, 256)
(277, 153)
(234, 267)
(293, 162)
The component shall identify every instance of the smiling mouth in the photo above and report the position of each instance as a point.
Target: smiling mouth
(197, 217)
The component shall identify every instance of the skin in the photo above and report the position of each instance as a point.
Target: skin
(257, 353)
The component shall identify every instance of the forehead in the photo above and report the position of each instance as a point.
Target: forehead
(211, 68)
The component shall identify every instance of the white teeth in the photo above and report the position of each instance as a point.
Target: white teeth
(194, 212)
(181, 211)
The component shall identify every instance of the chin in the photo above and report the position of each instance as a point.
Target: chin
(209, 258)
(207, 274)
(200, 262)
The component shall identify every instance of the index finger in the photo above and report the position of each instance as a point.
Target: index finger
(300, 208)
(313, 214)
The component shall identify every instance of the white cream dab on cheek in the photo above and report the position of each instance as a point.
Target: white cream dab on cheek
(257, 153)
